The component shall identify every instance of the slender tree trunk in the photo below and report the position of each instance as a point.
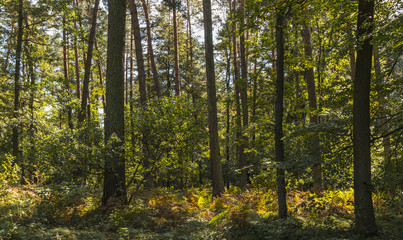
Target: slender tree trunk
(114, 172)
(238, 120)
(157, 85)
(279, 108)
(364, 212)
(101, 81)
(17, 88)
(254, 96)
(142, 85)
(243, 86)
(216, 171)
(127, 60)
(32, 90)
(82, 114)
(176, 51)
(76, 58)
(227, 110)
(314, 141)
(66, 72)
(139, 54)
(190, 52)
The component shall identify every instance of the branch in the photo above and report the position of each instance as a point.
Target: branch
(387, 134)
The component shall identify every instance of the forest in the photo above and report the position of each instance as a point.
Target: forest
(188, 119)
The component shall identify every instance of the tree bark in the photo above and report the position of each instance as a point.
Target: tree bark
(364, 212)
(66, 72)
(238, 119)
(310, 84)
(176, 50)
(17, 85)
(278, 112)
(243, 84)
(139, 54)
(82, 114)
(101, 81)
(76, 58)
(190, 52)
(114, 172)
(216, 171)
(27, 167)
(157, 85)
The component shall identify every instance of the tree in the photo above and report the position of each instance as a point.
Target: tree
(243, 90)
(157, 85)
(17, 85)
(240, 150)
(364, 212)
(76, 57)
(82, 113)
(66, 71)
(175, 4)
(278, 114)
(314, 119)
(114, 168)
(139, 53)
(215, 161)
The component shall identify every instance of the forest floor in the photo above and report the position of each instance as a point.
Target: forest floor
(33, 212)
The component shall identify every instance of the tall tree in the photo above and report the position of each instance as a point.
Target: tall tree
(278, 114)
(114, 169)
(142, 82)
(314, 119)
(66, 71)
(175, 4)
(82, 113)
(240, 150)
(76, 57)
(17, 85)
(139, 53)
(157, 85)
(215, 161)
(243, 87)
(364, 211)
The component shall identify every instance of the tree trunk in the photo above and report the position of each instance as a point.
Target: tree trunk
(66, 72)
(310, 84)
(76, 58)
(238, 120)
(216, 172)
(190, 52)
(101, 81)
(139, 54)
(364, 212)
(31, 133)
(114, 172)
(278, 112)
(157, 85)
(17, 87)
(142, 86)
(176, 51)
(82, 114)
(243, 86)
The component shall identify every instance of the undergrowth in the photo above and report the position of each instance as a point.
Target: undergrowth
(32, 212)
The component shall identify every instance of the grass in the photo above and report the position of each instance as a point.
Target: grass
(32, 212)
